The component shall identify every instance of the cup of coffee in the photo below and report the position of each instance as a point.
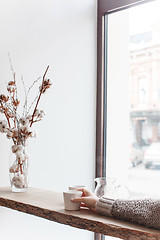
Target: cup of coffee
(67, 195)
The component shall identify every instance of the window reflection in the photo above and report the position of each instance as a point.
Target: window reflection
(145, 76)
(141, 86)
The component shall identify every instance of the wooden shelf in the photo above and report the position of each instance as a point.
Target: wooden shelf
(49, 205)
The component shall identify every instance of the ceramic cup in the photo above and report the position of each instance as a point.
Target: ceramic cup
(76, 187)
(67, 195)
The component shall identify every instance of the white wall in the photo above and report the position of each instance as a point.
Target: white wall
(61, 34)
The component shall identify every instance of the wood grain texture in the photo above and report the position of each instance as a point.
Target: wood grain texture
(49, 205)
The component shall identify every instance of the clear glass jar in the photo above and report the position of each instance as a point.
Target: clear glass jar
(110, 188)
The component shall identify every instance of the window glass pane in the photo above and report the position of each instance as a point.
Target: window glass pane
(133, 98)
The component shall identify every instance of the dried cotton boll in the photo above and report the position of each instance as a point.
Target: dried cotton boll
(49, 82)
(11, 83)
(9, 134)
(29, 117)
(24, 121)
(2, 130)
(3, 126)
(3, 123)
(22, 129)
(37, 112)
(15, 132)
(11, 86)
(25, 132)
(14, 168)
(33, 134)
(18, 149)
(14, 148)
(4, 98)
(18, 152)
(18, 181)
(46, 84)
(28, 129)
(41, 114)
(21, 157)
(11, 89)
(16, 102)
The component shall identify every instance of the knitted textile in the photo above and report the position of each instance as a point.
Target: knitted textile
(145, 212)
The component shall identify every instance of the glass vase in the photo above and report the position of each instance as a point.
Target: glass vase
(18, 167)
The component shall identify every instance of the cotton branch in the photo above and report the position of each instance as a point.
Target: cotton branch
(41, 91)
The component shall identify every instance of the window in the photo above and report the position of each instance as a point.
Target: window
(128, 94)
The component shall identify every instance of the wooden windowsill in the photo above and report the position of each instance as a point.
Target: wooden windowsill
(49, 205)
